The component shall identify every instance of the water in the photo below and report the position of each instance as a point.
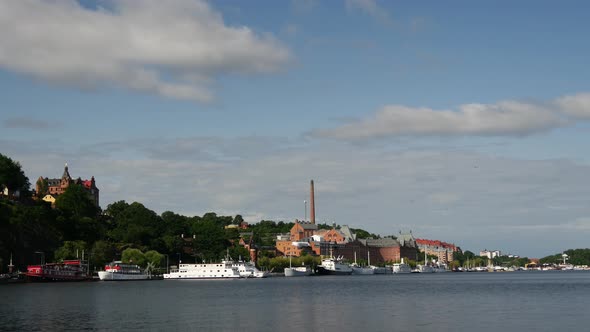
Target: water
(543, 301)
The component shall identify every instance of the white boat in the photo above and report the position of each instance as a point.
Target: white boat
(223, 270)
(334, 266)
(249, 270)
(117, 271)
(425, 269)
(441, 268)
(378, 269)
(361, 270)
(364, 270)
(300, 271)
(401, 267)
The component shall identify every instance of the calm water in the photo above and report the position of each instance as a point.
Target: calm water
(543, 301)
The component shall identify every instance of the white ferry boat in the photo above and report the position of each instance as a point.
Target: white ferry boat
(117, 271)
(223, 270)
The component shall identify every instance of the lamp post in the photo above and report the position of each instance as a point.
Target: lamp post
(305, 203)
(42, 256)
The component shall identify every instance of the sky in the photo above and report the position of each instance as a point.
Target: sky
(462, 121)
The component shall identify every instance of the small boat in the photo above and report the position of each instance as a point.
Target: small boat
(300, 271)
(401, 267)
(424, 269)
(68, 270)
(117, 271)
(359, 270)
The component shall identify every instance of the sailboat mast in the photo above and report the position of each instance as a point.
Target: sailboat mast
(368, 258)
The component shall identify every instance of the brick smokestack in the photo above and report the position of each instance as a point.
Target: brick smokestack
(311, 204)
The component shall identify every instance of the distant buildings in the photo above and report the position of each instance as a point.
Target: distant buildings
(442, 250)
(306, 237)
(490, 254)
(49, 189)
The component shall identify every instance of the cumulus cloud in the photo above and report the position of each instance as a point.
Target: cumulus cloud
(505, 118)
(170, 48)
(369, 7)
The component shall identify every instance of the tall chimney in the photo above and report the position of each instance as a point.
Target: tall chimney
(311, 204)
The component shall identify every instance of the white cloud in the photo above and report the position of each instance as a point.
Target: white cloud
(369, 7)
(170, 48)
(505, 118)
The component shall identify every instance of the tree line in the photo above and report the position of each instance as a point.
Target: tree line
(32, 230)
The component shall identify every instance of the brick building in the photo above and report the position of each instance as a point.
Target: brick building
(442, 250)
(49, 189)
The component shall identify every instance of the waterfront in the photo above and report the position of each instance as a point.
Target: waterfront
(416, 302)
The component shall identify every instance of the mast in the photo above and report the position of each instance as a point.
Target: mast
(355, 258)
(368, 258)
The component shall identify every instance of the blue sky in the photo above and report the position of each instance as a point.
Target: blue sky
(462, 121)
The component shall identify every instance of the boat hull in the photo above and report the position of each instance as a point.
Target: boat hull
(362, 271)
(115, 276)
(194, 277)
(294, 272)
(323, 271)
(401, 269)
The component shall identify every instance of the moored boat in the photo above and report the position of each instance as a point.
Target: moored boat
(300, 271)
(223, 270)
(362, 270)
(425, 269)
(401, 267)
(334, 266)
(68, 270)
(249, 270)
(117, 271)
(381, 269)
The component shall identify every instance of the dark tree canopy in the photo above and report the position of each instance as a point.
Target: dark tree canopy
(12, 175)
(77, 202)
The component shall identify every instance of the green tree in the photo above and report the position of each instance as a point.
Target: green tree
(153, 257)
(71, 250)
(209, 241)
(43, 187)
(135, 224)
(76, 202)
(133, 256)
(102, 253)
(12, 176)
(238, 220)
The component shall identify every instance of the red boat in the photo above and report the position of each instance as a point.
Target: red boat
(68, 270)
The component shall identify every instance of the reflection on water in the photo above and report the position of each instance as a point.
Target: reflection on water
(436, 302)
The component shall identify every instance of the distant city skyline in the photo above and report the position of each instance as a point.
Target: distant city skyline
(464, 122)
